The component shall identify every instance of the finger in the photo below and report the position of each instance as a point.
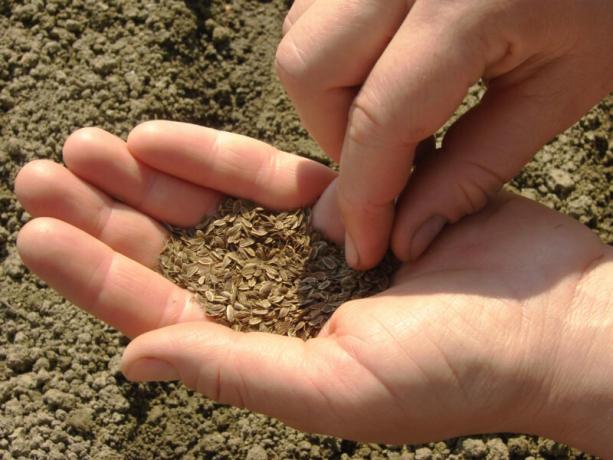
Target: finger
(299, 7)
(486, 148)
(233, 164)
(395, 110)
(106, 284)
(326, 215)
(47, 189)
(309, 385)
(327, 54)
(103, 160)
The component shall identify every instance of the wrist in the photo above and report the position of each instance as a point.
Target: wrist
(575, 403)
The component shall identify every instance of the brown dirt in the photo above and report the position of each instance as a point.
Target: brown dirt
(64, 65)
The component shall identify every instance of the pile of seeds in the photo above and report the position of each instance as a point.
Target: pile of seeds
(259, 270)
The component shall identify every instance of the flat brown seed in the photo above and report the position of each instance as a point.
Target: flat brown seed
(254, 321)
(230, 314)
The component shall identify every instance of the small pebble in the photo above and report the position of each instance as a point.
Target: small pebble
(497, 450)
(580, 206)
(518, 446)
(423, 453)
(221, 35)
(59, 399)
(19, 360)
(213, 443)
(81, 420)
(257, 452)
(559, 181)
(474, 448)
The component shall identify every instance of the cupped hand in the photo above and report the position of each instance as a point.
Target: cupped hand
(496, 328)
(372, 79)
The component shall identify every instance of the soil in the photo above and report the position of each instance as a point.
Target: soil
(67, 64)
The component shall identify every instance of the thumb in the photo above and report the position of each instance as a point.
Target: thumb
(286, 378)
(486, 148)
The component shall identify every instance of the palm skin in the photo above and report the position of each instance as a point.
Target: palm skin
(487, 331)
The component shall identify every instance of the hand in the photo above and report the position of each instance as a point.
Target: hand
(371, 79)
(503, 325)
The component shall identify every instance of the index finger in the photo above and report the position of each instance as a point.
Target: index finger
(327, 54)
(412, 90)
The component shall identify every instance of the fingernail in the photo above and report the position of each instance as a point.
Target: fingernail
(351, 253)
(151, 370)
(426, 234)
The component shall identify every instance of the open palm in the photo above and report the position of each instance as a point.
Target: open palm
(466, 340)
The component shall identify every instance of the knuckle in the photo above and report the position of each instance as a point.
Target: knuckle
(472, 198)
(364, 126)
(372, 125)
(287, 25)
(359, 201)
(290, 64)
(476, 186)
(345, 199)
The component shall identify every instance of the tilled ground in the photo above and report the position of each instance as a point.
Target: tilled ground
(64, 65)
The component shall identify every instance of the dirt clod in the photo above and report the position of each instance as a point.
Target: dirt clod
(57, 399)
(19, 360)
(257, 453)
(81, 420)
(474, 448)
(560, 181)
